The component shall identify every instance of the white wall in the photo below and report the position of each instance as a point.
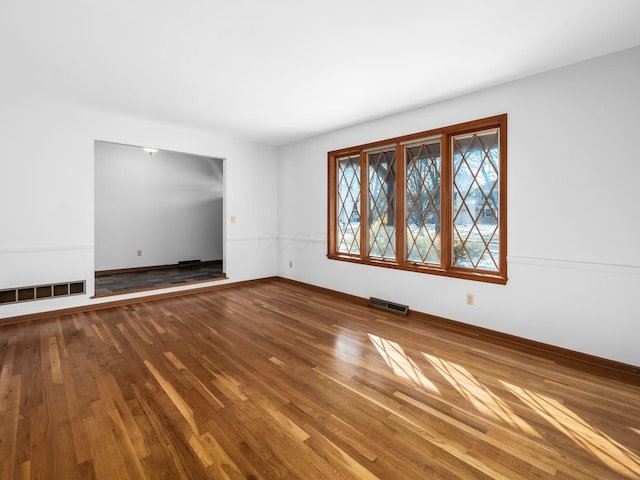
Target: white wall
(573, 172)
(47, 193)
(573, 161)
(167, 205)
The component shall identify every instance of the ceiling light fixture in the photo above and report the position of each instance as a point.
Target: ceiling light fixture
(150, 151)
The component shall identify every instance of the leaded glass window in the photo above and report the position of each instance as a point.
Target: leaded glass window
(431, 202)
(423, 196)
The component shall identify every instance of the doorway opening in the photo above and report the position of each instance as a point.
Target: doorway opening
(158, 218)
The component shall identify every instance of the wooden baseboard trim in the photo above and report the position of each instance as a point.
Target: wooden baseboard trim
(601, 366)
(604, 367)
(328, 291)
(128, 301)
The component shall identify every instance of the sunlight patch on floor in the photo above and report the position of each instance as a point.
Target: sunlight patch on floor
(606, 449)
(482, 399)
(400, 363)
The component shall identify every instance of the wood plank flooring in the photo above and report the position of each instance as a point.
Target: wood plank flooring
(276, 381)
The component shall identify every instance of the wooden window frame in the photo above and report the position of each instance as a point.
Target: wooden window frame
(446, 206)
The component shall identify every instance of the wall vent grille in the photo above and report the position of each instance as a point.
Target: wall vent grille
(40, 292)
(388, 306)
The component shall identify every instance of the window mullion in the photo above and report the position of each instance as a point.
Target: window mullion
(446, 202)
(364, 206)
(503, 198)
(401, 217)
(332, 208)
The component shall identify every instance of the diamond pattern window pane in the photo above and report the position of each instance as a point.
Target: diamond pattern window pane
(476, 193)
(348, 205)
(423, 196)
(382, 204)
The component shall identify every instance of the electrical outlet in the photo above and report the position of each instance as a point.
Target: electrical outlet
(139, 253)
(233, 219)
(290, 263)
(470, 299)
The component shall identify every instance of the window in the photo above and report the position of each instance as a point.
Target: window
(432, 202)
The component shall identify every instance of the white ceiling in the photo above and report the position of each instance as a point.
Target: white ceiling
(281, 70)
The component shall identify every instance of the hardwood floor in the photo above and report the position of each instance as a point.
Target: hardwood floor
(273, 380)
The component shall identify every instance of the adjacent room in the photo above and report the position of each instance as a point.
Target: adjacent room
(319, 240)
(158, 218)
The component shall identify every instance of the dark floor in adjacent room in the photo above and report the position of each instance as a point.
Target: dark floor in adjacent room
(113, 283)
